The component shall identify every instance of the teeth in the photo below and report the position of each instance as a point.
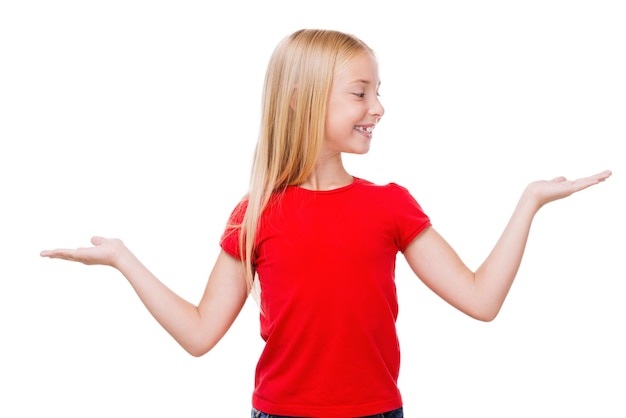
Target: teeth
(364, 129)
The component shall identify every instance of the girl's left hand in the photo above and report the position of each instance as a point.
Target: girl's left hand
(545, 191)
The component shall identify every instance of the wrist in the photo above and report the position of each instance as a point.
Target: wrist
(122, 258)
(529, 201)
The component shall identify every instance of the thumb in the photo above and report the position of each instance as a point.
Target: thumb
(559, 179)
(96, 240)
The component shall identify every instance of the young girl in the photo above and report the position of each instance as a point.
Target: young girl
(322, 245)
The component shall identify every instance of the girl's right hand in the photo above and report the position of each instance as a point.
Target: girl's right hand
(105, 251)
(197, 328)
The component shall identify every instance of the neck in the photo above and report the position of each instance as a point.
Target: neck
(329, 173)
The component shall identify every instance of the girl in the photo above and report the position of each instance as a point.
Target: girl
(322, 245)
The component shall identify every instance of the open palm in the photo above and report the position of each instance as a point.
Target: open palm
(545, 191)
(104, 251)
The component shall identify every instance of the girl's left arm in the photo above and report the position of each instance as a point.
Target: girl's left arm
(480, 294)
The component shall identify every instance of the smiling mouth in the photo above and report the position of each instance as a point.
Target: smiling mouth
(365, 129)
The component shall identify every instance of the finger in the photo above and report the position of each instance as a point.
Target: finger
(97, 240)
(559, 179)
(596, 177)
(63, 253)
(603, 175)
(582, 184)
(50, 253)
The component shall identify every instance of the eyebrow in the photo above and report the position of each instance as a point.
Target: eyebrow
(363, 81)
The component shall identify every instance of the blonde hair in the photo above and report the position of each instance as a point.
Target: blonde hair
(297, 85)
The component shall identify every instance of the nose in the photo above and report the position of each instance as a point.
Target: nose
(377, 109)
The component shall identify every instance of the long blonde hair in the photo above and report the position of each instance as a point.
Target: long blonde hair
(297, 85)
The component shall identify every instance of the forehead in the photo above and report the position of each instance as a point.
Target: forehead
(362, 69)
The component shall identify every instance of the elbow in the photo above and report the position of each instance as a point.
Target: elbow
(483, 313)
(485, 309)
(196, 353)
(486, 315)
(486, 318)
(197, 349)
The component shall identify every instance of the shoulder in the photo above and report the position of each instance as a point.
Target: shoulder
(393, 189)
(395, 196)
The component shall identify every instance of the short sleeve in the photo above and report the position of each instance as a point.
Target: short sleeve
(230, 238)
(409, 217)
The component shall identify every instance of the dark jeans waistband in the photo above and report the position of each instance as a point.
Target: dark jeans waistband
(396, 413)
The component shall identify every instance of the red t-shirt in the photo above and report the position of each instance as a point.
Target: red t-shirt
(325, 262)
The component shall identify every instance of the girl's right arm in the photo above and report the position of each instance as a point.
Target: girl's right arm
(196, 328)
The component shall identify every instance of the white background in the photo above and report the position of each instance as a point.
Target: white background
(137, 119)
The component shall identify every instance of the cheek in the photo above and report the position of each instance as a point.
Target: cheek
(334, 124)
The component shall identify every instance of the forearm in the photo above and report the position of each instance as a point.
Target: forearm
(493, 279)
(196, 328)
(178, 317)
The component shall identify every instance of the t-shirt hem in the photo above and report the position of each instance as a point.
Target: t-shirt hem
(414, 235)
(228, 251)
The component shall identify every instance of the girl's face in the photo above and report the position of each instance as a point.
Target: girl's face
(353, 107)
